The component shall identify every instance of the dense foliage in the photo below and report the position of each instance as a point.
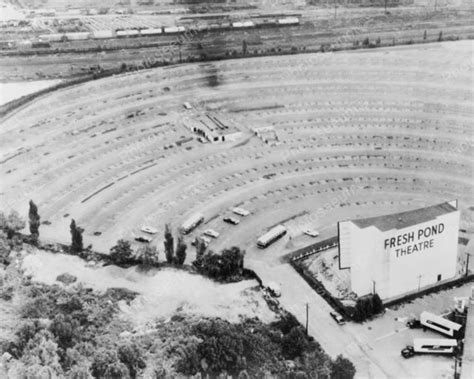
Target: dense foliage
(227, 266)
(65, 330)
(367, 306)
(76, 237)
(34, 220)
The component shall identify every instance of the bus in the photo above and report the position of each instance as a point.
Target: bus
(440, 324)
(271, 236)
(430, 345)
(192, 223)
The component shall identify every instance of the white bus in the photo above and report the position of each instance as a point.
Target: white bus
(440, 324)
(271, 236)
(430, 345)
(191, 223)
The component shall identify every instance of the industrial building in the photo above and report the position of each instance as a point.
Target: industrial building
(400, 253)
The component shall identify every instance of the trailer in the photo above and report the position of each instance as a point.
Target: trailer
(80, 36)
(430, 346)
(151, 32)
(440, 324)
(289, 21)
(127, 33)
(103, 34)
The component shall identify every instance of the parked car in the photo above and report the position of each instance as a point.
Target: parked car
(408, 352)
(414, 323)
(274, 289)
(149, 230)
(206, 241)
(211, 233)
(143, 239)
(338, 318)
(311, 233)
(232, 220)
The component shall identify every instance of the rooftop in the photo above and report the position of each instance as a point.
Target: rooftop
(406, 219)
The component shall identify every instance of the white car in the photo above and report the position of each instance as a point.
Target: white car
(211, 233)
(149, 230)
(241, 211)
(311, 233)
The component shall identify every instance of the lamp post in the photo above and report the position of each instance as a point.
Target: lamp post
(307, 312)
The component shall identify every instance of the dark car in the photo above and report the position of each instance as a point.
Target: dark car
(414, 323)
(408, 352)
(143, 239)
(338, 318)
(231, 220)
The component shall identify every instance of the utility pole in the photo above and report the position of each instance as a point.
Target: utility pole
(307, 312)
(467, 263)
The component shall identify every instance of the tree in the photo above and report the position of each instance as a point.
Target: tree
(122, 252)
(244, 47)
(342, 368)
(131, 356)
(148, 255)
(200, 249)
(424, 35)
(11, 224)
(76, 237)
(181, 251)
(34, 220)
(294, 343)
(440, 36)
(169, 244)
(65, 329)
(116, 370)
(101, 360)
(4, 249)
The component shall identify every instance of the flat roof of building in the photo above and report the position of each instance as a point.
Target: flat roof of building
(406, 219)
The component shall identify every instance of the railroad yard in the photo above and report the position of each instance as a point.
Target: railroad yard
(72, 46)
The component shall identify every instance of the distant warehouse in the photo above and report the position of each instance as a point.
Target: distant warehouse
(400, 253)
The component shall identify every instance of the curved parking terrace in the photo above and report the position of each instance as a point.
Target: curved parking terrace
(393, 126)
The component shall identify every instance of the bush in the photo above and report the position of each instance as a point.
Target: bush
(122, 252)
(131, 356)
(342, 368)
(294, 343)
(227, 266)
(148, 255)
(367, 306)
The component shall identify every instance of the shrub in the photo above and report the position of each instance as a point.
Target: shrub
(148, 255)
(294, 343)
(342, 368)
(366, 307)
(122, 252)
(131, 356)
